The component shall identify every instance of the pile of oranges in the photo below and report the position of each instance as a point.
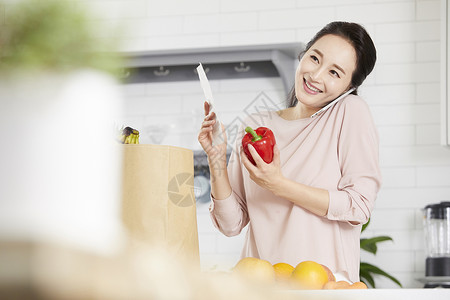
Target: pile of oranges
(307, 275)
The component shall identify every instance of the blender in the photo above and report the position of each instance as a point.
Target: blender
(437, 237)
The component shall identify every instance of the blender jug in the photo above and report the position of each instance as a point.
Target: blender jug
(437, 237)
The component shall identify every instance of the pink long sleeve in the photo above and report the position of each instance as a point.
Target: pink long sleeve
(336, 151)
(357, 189)
(230, 215)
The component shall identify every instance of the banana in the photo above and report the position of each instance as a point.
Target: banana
(129, 136)
(122, 138)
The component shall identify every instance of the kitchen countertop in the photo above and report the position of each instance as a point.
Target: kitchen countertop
(371, 294)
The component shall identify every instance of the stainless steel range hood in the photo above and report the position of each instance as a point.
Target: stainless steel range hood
(219, 63)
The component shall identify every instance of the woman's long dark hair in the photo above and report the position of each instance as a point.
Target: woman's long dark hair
(366, 54)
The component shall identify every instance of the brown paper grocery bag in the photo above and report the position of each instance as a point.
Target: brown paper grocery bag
(158, 203)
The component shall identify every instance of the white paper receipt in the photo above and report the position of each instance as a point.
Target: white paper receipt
(217, 137)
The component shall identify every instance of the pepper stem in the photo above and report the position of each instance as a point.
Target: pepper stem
(253, 133)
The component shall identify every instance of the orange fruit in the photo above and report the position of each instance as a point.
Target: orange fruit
(330, 285)
(358, 285)
(340, 285)
(309, 275)
(255, 269)
(330, 274)
(283, 271)
(336, 285)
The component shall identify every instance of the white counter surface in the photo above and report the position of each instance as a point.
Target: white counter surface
(371, 294)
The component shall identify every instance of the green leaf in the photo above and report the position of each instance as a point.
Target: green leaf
(375, 270)
(370, 245)
(365, 225)
(367, 278)
(367, 270)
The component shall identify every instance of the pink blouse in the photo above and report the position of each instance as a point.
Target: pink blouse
(337, 151)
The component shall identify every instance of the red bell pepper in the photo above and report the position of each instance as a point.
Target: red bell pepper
(262, 140)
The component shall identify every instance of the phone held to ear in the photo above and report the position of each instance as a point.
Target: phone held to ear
(332, 102)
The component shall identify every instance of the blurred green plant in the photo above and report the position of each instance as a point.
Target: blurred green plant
(366, 270)
(52, 35)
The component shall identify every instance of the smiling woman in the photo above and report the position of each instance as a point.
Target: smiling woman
(310, 202)
(349, 48)
(325, 71)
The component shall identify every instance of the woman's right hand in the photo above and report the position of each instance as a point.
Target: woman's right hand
(205, 136)
(217, 156)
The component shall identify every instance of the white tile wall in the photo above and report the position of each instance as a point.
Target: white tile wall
(255, 5)
(392, 135)
(116, 9)
(427, 92)
(403, 93)
(428, 51)
(397, 52)
(156, 26)
(407, 31)
(389, 94)
(433, 176)
(406, 197)
(178, 7)
(427, 10)
(399, 177)
(247, 21)
(428, 134)
(290, 18)
(377, 12)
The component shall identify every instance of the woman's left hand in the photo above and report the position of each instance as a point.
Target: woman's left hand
(263, 174)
